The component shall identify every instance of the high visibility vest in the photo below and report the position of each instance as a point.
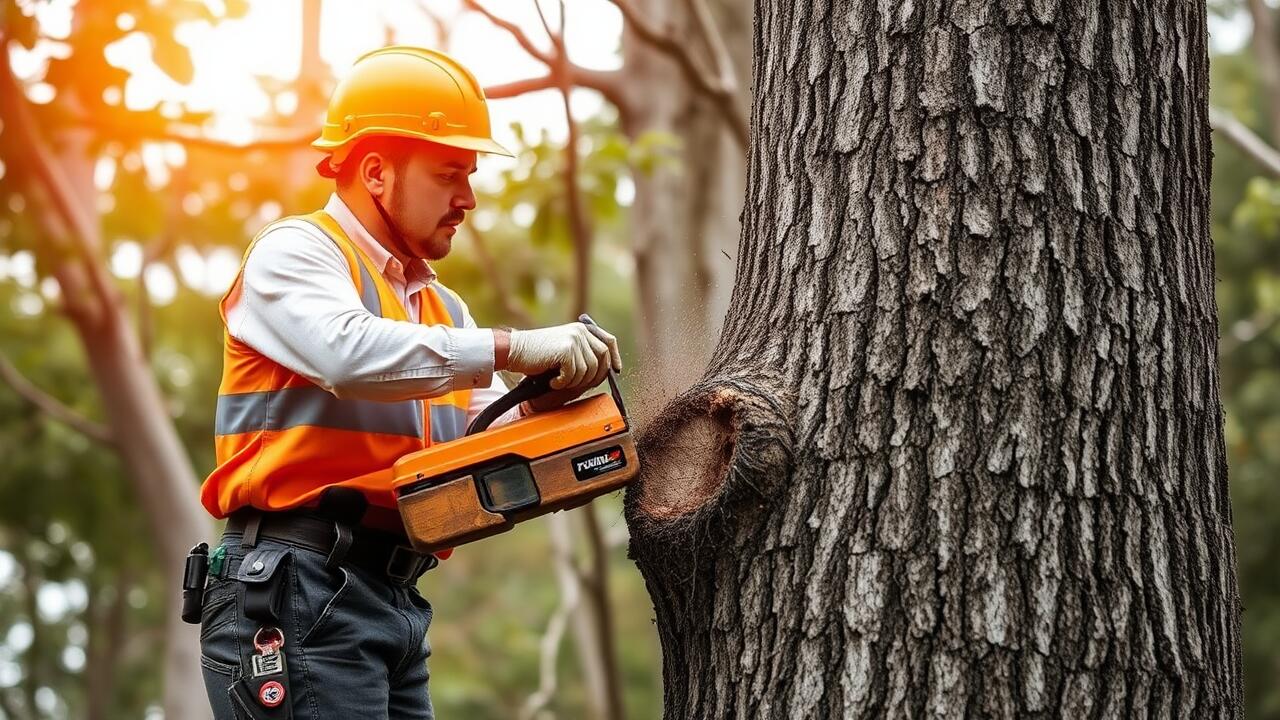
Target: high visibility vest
(281, 440)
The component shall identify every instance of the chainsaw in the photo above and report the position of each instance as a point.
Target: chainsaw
(488, 480)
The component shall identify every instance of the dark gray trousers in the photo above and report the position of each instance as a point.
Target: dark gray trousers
(355, 645)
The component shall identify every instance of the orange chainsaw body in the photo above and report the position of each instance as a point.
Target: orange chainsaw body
(483, 484)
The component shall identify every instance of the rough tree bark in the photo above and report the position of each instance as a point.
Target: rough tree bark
(959, 450)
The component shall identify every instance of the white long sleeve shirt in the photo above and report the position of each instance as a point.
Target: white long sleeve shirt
(296, 304)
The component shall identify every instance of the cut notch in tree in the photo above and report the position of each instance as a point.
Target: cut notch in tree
(709, 445)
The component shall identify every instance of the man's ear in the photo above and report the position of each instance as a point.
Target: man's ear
(373, 173)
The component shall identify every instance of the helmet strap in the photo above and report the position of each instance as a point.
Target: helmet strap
(397, 239)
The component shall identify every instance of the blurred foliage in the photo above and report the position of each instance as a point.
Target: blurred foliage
(80, 617)
(80, 606)
(1246, 235)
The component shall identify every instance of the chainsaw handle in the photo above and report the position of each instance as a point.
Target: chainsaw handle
(531, 387)
(535, 386)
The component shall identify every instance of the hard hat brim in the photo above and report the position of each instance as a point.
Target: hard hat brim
(466, 142)
(484, 145)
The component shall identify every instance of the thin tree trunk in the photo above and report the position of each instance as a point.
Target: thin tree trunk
(959, 451)
(312, 90)
(162, 477)
(1267, 52)
(107, 636)
(594, 630)
(593, 622)
(34, 660)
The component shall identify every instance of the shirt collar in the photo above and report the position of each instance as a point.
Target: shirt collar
(419, 271)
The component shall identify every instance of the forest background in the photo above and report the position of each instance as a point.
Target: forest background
(143, 144)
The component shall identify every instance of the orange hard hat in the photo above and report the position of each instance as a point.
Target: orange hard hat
(407, 92)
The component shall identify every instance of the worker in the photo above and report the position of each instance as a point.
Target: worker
(343, 351)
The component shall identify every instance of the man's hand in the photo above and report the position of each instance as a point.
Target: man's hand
(615, 357)
(581, 358)
(586, 346)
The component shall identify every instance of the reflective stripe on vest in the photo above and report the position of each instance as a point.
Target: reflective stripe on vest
(296, 406)
(450, 304)
(299, 406)
(448, 422)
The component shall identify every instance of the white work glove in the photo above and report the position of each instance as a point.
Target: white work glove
(580, 351)
(615, 357)
(582, 358)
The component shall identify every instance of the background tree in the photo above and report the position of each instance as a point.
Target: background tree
(54, 149)
(154, 191)
(960, 448)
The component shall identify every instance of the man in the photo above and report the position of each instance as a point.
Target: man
(343, 352)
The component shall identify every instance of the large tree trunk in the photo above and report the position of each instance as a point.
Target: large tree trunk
(959, 450)
(684, 219)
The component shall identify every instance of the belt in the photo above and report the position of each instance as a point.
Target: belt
(379, 553)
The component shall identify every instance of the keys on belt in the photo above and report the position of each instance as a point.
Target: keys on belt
(264, 691)
(268, 658)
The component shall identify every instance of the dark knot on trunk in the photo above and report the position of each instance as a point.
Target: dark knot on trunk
(714, 454)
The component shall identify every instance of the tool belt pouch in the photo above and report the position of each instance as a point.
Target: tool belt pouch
(264, 577)
(262, 693)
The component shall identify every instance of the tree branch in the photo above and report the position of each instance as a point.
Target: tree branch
(721, 96)
(440, 26)
(514, 30)
(715, 45)
(516, 88)
(51, 406)
(1268, 57)
(268, 138)
(579, 223)
(1245, 140)
(606, 82)
(81, 228)
(549, 646)
(556, 38)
